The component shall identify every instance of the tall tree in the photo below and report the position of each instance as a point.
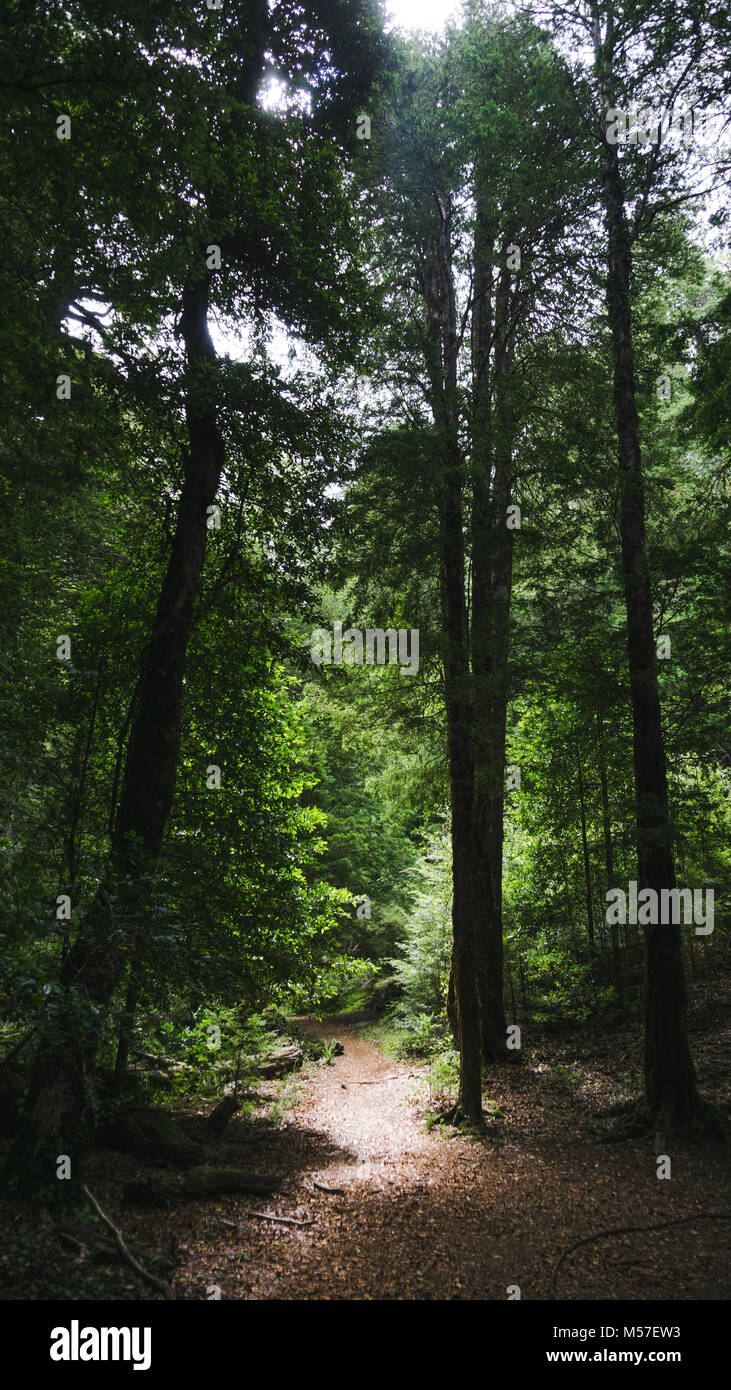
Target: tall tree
(527, 189)
(647, 55)
(61, 1107)
(415, 189)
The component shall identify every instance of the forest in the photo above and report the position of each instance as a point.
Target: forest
(365, 490)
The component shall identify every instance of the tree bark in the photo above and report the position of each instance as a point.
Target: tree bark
(61, 1109)
(126, 1023)
(492, 445)
(608, 847)
(439, 297)
(587, 867)
(670, 1081)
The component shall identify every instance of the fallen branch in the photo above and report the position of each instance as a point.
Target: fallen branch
(281, 1220)
(335, 1191)
(631, 1230)
(150, 1134)
(277, 1063)
(68, 1239)
(398, 1076)
(198, 1182)
(266, 1216)
(160, 1284)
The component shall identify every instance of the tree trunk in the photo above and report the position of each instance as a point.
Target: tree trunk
(523, 990)
(439, 297)
(61, 1111)
(79, 766)
(608, 847)
(452, 1018)
(492, 441)
(126, 1023)
(670, 1082)
(587, 869)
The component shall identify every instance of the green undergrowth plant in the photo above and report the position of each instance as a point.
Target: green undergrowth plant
(442, 1077)
(289, 1092)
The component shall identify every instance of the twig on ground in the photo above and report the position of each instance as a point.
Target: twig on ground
(281, 1220)
(160, 1284)
(266, 1216)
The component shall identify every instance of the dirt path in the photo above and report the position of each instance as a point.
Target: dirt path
(423, 1214)
(375, 1240)
(362, 1105)
(426, 1215)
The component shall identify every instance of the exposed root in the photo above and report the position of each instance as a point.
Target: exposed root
(503, 1057)
(458, 1118)
(637, 1121)
(629, 1230)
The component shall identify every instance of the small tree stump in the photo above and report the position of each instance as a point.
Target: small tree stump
(219, 1118)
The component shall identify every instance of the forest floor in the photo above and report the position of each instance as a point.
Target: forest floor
(424, 1213)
